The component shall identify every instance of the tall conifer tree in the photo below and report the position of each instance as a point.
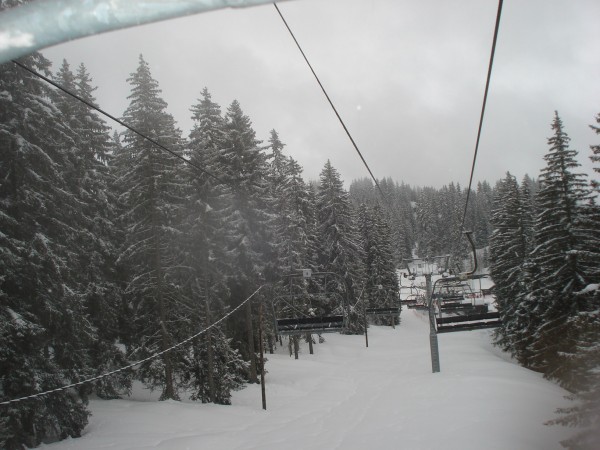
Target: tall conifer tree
(212, 368)
(152, 195)
(242, 164)
(339, 246)
(509, 249)
(97, 237)
(561, 255)
(42, 327)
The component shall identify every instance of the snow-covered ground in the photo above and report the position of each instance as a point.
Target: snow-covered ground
(349, 397)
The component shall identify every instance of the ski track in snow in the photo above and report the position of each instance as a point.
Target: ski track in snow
(349, 397)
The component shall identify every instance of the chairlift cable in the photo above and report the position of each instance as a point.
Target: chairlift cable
(120, 122)
(485, 95)
(331, 103)
(134, 364)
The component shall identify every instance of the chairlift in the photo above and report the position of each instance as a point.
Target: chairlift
(455, 303)
(392, 308)
(427, 265)
(290, 318)
(414, 299)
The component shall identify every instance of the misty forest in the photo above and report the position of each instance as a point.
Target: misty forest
(114, 249)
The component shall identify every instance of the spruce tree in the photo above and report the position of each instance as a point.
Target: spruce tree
(98, 238)
(428, 224)
(509, 249)
(527, 193)
(339, 245)
(242, 163)
(212, 368)
(585, 413)
(483, 205)
(152, 195)
(381, 288)
(584, 359)
(43, 327)
(291, 211)
(562, 256)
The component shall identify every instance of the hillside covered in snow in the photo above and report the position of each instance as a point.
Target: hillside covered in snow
(350, 397)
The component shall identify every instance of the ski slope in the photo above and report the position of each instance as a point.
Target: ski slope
(349, 397)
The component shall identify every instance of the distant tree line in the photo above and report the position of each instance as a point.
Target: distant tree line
(545, 262)
(426, 221)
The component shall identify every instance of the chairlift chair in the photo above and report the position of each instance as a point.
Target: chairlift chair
(456, 312)
(295, 321)
(391, 310)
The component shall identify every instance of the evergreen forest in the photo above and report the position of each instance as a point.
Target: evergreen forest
(148, 259)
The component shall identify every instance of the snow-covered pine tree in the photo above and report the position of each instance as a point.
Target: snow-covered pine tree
(339, 242)
(292, 212)
(585, 359)
(364, 222)
(404, 230)
(93, 186)
(42, 328)
(212, 367)
(381, 288)
(527, 192)
(585, 414)
(562, 256)
(292, 236)
(384, 263)
(362, 191)
(242, 164)
(509, 249)
(483, 206)
(427, 223)
(283, 259)
(398, 214)
(152, 192)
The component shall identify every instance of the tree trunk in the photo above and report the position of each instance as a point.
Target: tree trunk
(296, 347)
(168, 390)
(211, 359)
(270, 342)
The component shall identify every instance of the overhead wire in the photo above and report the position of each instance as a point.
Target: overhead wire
(330, 102)
(130, 366)
(485, 95)
(120, 122)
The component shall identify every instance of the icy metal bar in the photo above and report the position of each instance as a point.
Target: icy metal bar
(33, 26)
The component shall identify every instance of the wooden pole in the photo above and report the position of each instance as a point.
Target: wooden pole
(366, 324)
(211, 359)
(262, 356)
(252, 355)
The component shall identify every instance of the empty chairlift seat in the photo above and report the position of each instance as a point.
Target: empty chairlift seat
(470, 321)
(318, 325)
(384, 312)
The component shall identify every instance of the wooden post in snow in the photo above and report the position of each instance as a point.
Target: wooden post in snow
(262, 356)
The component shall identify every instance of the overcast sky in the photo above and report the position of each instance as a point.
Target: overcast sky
(407, 76)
